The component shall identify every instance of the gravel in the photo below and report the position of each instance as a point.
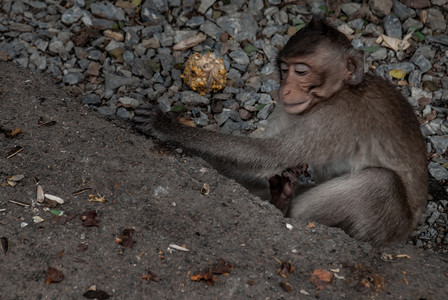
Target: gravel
(115, 57)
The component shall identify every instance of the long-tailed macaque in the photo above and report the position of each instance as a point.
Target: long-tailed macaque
(356, 131)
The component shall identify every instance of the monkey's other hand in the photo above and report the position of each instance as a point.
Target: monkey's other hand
(150, 120)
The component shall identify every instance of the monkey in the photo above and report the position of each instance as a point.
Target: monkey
(355, 130)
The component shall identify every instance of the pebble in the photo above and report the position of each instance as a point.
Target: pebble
(128, 63)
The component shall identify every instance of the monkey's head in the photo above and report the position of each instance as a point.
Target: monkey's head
(316, 63)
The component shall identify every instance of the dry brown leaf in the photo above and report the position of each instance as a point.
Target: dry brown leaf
(89, 219)
(310, 225)
(286, 286)
(321, 278)
(53, 276)
(151, 276)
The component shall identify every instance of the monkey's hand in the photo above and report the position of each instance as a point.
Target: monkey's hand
(150, 120)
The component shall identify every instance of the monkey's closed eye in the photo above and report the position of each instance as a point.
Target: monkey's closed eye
(301, 69)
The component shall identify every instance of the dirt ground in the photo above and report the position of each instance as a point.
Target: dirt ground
(159, 194)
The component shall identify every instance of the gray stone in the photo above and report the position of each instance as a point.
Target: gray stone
(381, 8)
(412, 25)
(392, 26)
(140, 68)
(71, 15)
(439, 39)
(222, 117)
(439, 143)
(356, 24)
(113, 81)
(160, 6)
(107, 10)
(264, 113)
(211, 29)
(436, 20)
(402, 11)
(124, 113)
(38, 60)
(422, 63)
(240, 26)
(20, 27)
(380, 54)
(199, 118)
(269, 86)
(435, 215)
(190, 97)
(13, 48)
(91, 99)
(73, 78)
(195, 21)
(350, 8)
(151, 17)
(128, 101)
(240, 57)
(438, 171)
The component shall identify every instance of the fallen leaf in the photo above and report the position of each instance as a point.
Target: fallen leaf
(93, 198)
(37, 219)
(222, 267)
(405, 281)
(40, 194)
(397, 74)
(53, 276)
(286, 286)
(126, 238)
(54, 198)
(394, 43)
(89, 219)
(321, 278)
(310, 225)
(150, 276)
(60, 253)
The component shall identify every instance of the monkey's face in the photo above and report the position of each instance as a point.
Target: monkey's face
(309, 79)
(297, 83)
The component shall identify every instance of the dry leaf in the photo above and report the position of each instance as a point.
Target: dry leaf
(310, 225)
(53, 276)
(286, 286)
(397, 74)
(93, 198)
(126, 238)
(321, 278)
(150, 276)
(89, 219)
(54, 198)
(394, 43)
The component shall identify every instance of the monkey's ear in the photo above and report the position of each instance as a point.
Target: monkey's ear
(354, 68)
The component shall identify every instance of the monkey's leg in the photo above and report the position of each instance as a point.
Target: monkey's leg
(369, 205)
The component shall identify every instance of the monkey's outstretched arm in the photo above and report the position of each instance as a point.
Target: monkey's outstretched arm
(244, 152)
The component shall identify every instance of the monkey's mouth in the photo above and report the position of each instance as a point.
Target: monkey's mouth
(296, 107)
